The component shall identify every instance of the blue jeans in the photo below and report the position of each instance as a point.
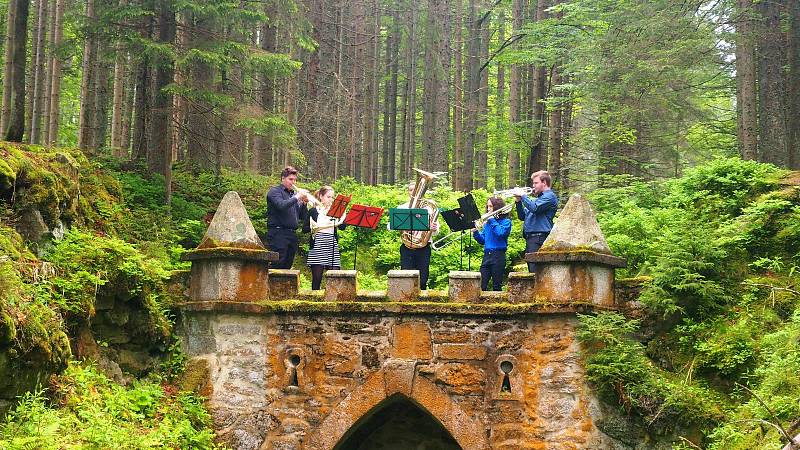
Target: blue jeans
(494, 267)
(533, 242)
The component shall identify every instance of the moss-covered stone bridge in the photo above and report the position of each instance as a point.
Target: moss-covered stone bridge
(285, 368)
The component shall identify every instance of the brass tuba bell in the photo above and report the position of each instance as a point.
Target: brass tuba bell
(419, 239)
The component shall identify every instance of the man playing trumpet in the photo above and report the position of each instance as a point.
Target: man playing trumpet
(493, 235)
(286, 210)
(537, 213)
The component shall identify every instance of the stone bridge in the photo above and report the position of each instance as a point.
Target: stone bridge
(285, 368)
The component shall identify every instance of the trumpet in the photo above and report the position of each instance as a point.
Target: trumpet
(311, 199)
(514, 192)
(504, 210)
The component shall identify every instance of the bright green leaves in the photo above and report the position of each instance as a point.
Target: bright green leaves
(95, 412)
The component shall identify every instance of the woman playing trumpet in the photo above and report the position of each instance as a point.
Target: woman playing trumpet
(494, 238)
(324, 249)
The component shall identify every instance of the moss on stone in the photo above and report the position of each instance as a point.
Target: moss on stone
(7, 176)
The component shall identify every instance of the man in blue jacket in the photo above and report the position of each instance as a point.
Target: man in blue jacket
(537, 212)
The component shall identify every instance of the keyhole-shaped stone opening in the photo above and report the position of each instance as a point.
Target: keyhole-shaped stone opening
(506, 367)
(294, 361)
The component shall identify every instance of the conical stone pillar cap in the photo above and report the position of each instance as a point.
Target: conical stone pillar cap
(231, 226)
(576, 229)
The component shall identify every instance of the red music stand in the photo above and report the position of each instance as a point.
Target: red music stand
(362, 216)
(339, 205)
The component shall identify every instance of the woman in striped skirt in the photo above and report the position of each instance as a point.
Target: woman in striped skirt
(324, 249)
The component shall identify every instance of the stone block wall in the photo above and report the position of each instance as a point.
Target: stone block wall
(303, 380)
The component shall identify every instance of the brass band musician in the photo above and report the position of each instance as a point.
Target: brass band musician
(415, 251)
(286, 210)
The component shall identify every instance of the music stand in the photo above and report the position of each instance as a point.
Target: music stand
(409, 219)
(339, 205)
(362, 216)
(461, 219)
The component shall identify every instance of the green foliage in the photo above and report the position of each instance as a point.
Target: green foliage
(90, 266)
(617, 364)
(94, 412)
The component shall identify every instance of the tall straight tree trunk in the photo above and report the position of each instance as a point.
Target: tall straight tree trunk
(160, 158)
(40, 79)
(746, 113)
(101, 88)
(499, 152)
(482, 153)
(16, 120)
(88, 93)
(372, 37)
(48, 76)
(537, 160)
(471, 94)
(262, 149)
(794, 85)
(8, 65)
(37, 46)
(410, 110)
(55, 74)
(389, 148)
(773, 141)
(514, 96)
(457, 167)
(118, 95)
(555, 131)
(436, 107)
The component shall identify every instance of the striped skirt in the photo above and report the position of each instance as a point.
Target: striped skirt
(325, 251)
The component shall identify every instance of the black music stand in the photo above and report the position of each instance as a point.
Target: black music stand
(461, 219)
(362, 216)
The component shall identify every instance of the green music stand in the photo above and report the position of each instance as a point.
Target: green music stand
(409, 219)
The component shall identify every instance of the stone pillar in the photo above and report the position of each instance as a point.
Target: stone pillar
(284, 284)
(521, 287)
(464, 287)
(230, 264)
(575, 264)
(340, 285)
(403, 285)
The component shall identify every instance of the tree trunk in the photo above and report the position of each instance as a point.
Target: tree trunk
(100, 114)
(55, 74)
(537, 160)
(88, 93)
(436, 106)
(773, 142)
(16, 120)
(160, 158)
(747, 128)
(500, 167)
(555, 131)
(118, 95)
(410, 108)
(8, 64)
(514, 95)
(482, 152)
(471, 94)
(457, 167)
(40, 79)
(389, 149)
(794, 86)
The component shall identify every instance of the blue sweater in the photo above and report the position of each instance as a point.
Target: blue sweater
(494, 235)
(538, 212)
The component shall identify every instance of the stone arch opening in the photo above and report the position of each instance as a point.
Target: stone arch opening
(397, 423)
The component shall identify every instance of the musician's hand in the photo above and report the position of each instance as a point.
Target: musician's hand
(517, 198)
(435, 227)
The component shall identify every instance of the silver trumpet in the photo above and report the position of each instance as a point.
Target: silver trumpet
(514, 192)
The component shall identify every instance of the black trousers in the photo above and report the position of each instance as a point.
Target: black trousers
(533, 242)
(493, 267)
(417, 259)
(284, 242)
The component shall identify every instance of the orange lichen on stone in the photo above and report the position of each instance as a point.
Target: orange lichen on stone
(411, 340)
(461, 351)
(252, 283)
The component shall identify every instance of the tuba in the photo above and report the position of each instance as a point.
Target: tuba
(419, 239)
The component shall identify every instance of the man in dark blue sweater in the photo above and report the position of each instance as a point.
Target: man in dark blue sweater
(286, 210)
(537, 212)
